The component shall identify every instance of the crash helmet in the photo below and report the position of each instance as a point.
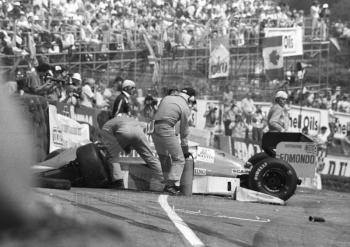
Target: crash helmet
(128, 84)
(281, 95)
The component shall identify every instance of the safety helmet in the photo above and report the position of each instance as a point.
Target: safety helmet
(281, 94)
(128, 83)
(189, 91)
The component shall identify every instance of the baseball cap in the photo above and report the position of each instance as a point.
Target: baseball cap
(128, 83)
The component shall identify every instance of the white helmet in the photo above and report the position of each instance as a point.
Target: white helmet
(128, 83)
(281, 94)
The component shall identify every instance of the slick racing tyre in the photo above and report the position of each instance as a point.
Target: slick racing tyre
(274, 177)
(92, 168)
(257, 157)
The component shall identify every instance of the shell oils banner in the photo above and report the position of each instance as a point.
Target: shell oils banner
(219, 60)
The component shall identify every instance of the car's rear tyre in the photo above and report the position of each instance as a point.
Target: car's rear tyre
(274, 177)
(257, 157)
(92, 168)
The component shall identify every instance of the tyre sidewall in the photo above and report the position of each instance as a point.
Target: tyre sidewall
(258, 157)
(256, 178)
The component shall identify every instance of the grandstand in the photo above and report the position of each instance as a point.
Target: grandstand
(156, 62)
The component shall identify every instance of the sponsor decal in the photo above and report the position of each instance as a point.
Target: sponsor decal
(200, 172)
(293, 146)
(311, 149)
(240, 171)
(298, 158)
(206, 155)
(302, 157)
(258, 171)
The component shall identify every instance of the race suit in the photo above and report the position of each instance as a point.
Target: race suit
(172, 109)
(122, 133)
(277, 119)
(122, 104)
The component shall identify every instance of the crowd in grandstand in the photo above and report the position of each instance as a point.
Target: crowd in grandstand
(59, 25)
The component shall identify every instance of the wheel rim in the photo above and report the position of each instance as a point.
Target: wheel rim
(274, 180)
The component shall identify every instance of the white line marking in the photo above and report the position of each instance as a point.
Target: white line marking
(190, 236)
(258, 219)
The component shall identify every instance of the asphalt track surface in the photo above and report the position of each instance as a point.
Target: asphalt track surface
(214, 221)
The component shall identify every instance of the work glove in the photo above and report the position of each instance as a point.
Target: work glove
(185, 151)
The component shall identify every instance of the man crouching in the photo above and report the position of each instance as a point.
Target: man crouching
(124, 132)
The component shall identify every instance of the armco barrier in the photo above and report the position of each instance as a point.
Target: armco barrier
(36, 109)
(336, 183)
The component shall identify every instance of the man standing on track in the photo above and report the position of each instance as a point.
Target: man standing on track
(277, 117)
(172, 109)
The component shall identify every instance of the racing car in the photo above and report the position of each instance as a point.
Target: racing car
(213, 171)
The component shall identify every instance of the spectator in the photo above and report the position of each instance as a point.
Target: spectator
(343, 104)
(258, 123)
(314, 12)
(238, 127)
(210, 117)
(229, 117)
(150, 108)
(322, 137)
(101, 97)
(324, 21)
(248, 107)
(87, 93)
(227, 97)
(76, 79)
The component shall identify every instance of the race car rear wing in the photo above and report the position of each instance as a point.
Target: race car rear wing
(270, 140)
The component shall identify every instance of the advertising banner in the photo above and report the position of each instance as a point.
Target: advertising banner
(300, 117)
(244, 149)
(292, 39)
(66, 132)
(81, 114)
(342, 124)
(219, 60)
(336, 166)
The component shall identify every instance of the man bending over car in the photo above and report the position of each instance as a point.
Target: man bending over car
(124, 132)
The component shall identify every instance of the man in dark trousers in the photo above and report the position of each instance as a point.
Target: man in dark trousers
(122, 103)
(172, 154)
